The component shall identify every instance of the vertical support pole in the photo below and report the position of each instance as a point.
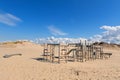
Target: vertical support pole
(59, 54)
(49, 46)
(101, 53)
(53, 52)
(74, 55)
(85, 50)
(47, 53)
(92, 52)
(88, 51)
(82, 53)
(44, 51)
(67, 49)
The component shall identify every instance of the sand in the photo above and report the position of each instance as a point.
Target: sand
(26, 67)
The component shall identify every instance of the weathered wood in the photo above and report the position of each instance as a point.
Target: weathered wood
(75, 52)
(10, 55)
(106, 54)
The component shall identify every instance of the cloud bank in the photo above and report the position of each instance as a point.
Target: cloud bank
(111, 34)
(58, 40)
(9, 19)
(56, 32)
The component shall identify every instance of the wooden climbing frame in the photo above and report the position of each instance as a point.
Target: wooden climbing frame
(80, 52)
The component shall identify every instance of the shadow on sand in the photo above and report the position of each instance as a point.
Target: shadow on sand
(48, 61)
(42, 60)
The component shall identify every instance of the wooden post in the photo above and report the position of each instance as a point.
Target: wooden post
(59, 56)
(73, 55)
(82, 53)
(88, 51)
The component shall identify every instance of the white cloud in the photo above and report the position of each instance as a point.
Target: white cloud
(110, 28)
(97, 38)
(58, 40)
(9, 19)
(111, 34)
(55, 31)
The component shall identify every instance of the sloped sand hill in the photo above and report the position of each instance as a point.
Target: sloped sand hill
(26, 67)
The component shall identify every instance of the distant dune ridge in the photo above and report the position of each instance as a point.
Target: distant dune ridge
(26, 67)
(29, 43)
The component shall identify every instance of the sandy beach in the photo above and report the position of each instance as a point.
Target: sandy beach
(59, 39)
(26, 67)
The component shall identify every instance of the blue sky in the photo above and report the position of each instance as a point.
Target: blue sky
(30, 19)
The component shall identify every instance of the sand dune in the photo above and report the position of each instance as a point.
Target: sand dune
(26, 67)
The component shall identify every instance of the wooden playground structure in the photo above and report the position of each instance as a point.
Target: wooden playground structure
(71, 52)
